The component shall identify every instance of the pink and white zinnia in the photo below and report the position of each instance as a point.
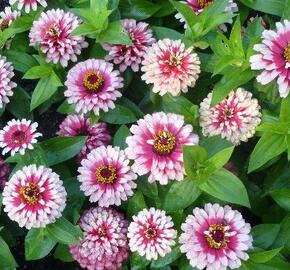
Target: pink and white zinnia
(18, 135)
(151, 234)
(274, 57)
(52, 32)
(131, 55)
(235, 118)
(215, 238)
(170, 67)
(106, 177)
(28, 4)
(93, 85)
(156, 146)
(104, 245)
(34, 197)
(7, 17)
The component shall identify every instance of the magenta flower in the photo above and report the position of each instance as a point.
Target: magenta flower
(34, 197)
(215, 238)
(170, 67)
(78, 125)
(131, 56)
(52, 32)
(7, 17)
(17, 136)
(28, 4)
(151, 234)
(4, 174)
(104, 245)
(106, 176)
(235, 118)
(156, 146)
(274, 57)
(92, 86)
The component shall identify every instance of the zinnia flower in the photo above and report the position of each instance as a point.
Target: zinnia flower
(170, 67)
(6, 85)
(151, 233)
(34, 197)
(4, 174)
(52, 32)
(7, 17)
(104, 245)
(274, 57)
(28, 4)
(156, 146)
(215, 238)
(18, 135)
(132, 55)
(78, 125)
(235, 118)
(106, 176)
(92, 86)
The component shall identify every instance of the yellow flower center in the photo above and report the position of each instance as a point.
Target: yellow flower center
(93, 81)
(54, 31)
(174, 60)
(215, 236)
(287, 53)
(106, 174)
(164, 142)
(150, 233)
(30, 193)
(228, 113)
(204, 3)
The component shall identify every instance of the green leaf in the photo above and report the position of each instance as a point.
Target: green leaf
(265, 234)
(269, 146)
(38, 244)
(236, 39)
(38, 72)
(138, 262)
(136, 204)
(222, 157)
(274, 7)
(285, 109)
(120, 137)
(227, 187)
(120, 115)
(214, 145)
(264, 256)
(64, 232)
(62, 253)
(163, 32)
(66, 108)
(84, 29)
(60, 149)
(168, 258)
(181, 195)
(150, 190)
(6, 258)
(286, 12)
(282, 198)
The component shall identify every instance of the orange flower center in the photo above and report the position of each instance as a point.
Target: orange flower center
(215, 236)
(164, 142)
(93, 81)
(30, 193)
(287, 53)
(106, 174)
(204, 3)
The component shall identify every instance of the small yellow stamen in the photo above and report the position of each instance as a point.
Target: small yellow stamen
(106, 174)
(30, 193)
(150, 233)
(164, 142)
(204, 3)
(287, 53)
(215, 236)
(54, 31)
(93, 81)
(175, 60)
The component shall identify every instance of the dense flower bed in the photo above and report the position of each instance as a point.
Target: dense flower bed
(145, 134)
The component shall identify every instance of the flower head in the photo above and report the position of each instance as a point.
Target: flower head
(18, 135)
(28, 4)
(170, 67)
(77, 125)
(151, 233)
(274, 57)
(131, 55)
(106, 176)
(156, 146)
(104, 245)
(52, 32)
(235, 118)
(4, 174)
(215, 238)
(34, 197)
(92, 86)
(7, 17)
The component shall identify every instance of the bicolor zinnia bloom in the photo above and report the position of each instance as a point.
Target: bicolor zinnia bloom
(170, 67)
(28, 4)
(78, 125)
(4, 174)
(7, 17)
(274, 57)
(156, 146)
(52, 32)
(151, 234)
(18, 135)
(93, 85)
(6, 85)
(106, 177)
(235, 118)
(131, 55)
(215, 238)
(104, 245)
(34, 197)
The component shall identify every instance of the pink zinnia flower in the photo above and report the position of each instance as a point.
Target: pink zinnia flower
(235, 118)
(151, 233)
(106, 176)
(156, 146)
(78, 125)
(4, 174)
(6, 85)
(170, 67)
(215, 238)
(104, 245)
(17, 136)
(52, 32)
(92, 86)
(7, 17)
(131, 56)
(274, 57)
(28, 4)
(34, 197)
